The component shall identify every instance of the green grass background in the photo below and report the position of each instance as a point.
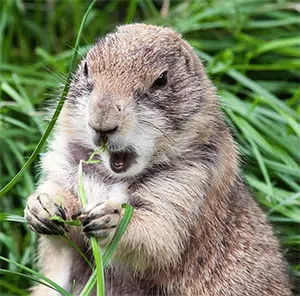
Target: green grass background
(251, 49)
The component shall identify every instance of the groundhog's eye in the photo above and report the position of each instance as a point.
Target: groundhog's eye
(161, 80)
(85, 69)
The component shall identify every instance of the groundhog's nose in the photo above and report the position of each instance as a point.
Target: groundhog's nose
(104, 131)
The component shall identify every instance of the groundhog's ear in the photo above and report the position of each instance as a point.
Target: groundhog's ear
(192, 60)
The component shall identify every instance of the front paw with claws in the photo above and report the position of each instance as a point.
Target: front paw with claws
(38, 212)
(100, 220)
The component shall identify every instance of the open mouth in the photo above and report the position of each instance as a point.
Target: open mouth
(121, 161)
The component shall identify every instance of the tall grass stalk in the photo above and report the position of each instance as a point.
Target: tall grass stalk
(94, 243)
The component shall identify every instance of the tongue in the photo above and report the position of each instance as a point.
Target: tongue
(121, 161)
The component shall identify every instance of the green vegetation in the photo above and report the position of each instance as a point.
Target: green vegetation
(251, 49)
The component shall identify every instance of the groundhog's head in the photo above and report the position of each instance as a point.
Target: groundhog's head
(141, 91)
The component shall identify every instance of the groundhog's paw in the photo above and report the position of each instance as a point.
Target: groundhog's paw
(101, 220)
(39, 209)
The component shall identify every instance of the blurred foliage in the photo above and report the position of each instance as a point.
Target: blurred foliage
(251, 49)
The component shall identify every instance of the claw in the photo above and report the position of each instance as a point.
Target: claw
(76, 215)
(100, 220)
(38, 213)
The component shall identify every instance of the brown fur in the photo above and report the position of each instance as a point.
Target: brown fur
(195, 231)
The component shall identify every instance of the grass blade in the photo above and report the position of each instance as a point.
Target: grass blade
(13, 218)
(99, 267)
(38, 275)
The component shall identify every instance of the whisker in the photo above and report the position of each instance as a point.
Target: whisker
(72, 27)
(61, 76)
(79, 53)
(150, 124)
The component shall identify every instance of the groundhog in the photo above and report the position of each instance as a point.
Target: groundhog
(142, 92)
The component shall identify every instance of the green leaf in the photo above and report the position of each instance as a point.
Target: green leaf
(40, 277)
(68, 222)
(12, 218)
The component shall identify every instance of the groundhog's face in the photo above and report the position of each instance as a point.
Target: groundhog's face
(137, 92)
